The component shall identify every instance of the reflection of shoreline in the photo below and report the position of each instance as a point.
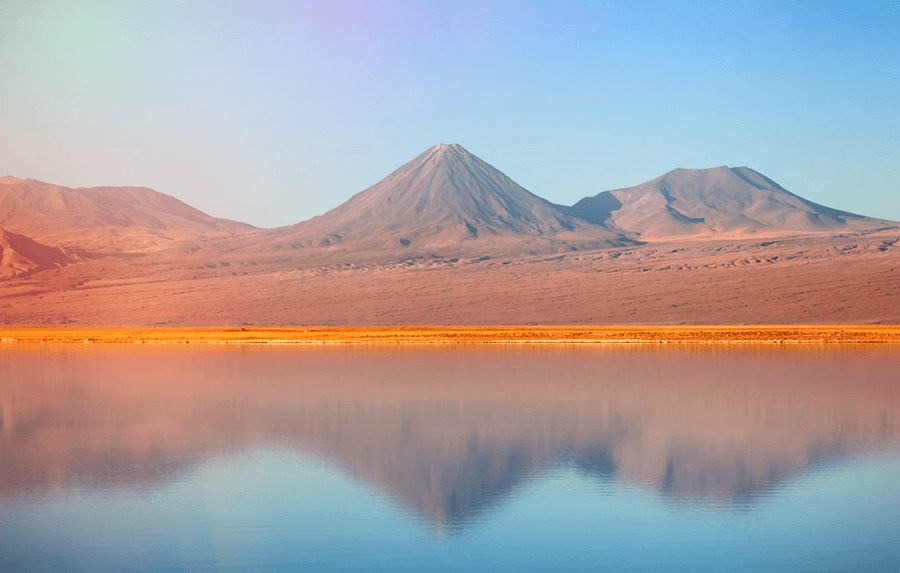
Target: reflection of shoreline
(448, 432)
(687, 334)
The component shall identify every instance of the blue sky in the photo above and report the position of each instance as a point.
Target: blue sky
(272, 112)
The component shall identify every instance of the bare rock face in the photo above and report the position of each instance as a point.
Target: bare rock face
(721, 200)
(446, 198)
(22, 256)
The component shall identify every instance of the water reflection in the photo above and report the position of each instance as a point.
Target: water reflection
(448, 432)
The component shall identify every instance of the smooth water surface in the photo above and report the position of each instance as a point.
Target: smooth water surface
(469, 458)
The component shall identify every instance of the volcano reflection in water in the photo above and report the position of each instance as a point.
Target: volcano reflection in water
(449, 432)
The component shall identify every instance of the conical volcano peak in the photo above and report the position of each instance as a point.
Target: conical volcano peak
(448, 147)
(449, 152)
(443, 196)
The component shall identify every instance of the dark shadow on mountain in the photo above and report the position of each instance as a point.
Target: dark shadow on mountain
(597, 209)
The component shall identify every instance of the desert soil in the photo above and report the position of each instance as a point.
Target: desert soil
(853, 279)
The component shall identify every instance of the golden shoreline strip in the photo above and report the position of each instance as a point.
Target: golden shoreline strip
(757, 334)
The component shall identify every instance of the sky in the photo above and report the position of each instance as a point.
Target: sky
(273, 112)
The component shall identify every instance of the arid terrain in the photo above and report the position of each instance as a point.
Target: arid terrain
(449, 240)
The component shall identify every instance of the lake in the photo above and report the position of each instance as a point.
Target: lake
(449, 458)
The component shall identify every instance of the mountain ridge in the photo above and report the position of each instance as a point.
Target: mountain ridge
(445, 204)
(719, 200)
(446, 198)
(102, 217)
(39, 208)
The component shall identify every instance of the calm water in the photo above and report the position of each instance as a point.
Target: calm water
(128, 458)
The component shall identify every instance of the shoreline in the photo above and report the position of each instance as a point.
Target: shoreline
(712, 334)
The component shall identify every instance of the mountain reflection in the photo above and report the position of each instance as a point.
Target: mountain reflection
(449, 432)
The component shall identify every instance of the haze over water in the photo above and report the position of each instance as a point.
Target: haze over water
(749, 458)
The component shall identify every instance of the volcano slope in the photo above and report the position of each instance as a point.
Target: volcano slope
(445, 203)
(449, 240)
(721, 201)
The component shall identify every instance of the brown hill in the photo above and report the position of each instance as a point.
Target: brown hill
(722, 200)
(450, 201)
(21, 256)
(102, 217)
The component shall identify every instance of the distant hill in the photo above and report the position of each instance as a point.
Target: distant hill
(721, 200)
(450, 200)
(123, 216)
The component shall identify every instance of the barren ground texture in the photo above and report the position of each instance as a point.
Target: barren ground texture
(806, 279)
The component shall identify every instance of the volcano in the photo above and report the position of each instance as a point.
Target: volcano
(450, 200)
(721, 200)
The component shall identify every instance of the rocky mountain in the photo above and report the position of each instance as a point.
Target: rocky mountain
(446, 199)
(102, 217)
(721, 200)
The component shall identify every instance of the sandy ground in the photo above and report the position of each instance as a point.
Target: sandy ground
(853, 279)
